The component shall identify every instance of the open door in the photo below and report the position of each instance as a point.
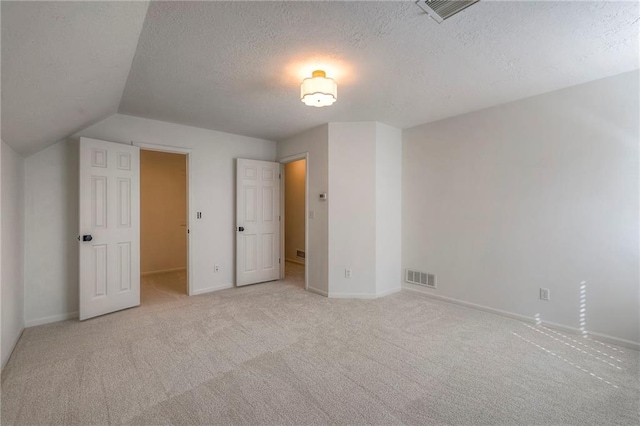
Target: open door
(257, 221)
(109, 227)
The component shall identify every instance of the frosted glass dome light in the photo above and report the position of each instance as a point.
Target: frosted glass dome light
(318, 91)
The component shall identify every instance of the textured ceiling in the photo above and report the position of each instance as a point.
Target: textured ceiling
(64, 66)
(231, 66)
(236, 66)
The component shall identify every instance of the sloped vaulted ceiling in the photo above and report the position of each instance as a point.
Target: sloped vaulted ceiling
(231, 66)
(235, 66)
(64, 66)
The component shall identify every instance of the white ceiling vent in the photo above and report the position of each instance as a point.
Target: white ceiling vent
(440, 10)
(420, 278)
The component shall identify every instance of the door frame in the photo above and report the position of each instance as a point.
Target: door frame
(187, 152)
(283, 161)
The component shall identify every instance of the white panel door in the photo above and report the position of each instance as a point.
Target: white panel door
(109, 227)
(257, 222)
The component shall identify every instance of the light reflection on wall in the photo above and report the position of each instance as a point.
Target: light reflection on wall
(583, 309)
(580, 348)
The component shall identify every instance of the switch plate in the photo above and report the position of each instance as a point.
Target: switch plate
(545, 294)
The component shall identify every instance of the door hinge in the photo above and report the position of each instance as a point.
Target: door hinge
(279, 218)
(279, 261)
(279, 175)
(188, 231)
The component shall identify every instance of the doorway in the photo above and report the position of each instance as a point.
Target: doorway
(163, 225)
(295, 221)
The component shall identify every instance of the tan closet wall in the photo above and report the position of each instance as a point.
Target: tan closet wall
(294, 209)
(163, 211)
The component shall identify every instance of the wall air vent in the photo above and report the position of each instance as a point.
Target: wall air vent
(420, 278)
(440, 10)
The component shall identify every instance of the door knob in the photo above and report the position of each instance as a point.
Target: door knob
(87, 238)
(241, 228)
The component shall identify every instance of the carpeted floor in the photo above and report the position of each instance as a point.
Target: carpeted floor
(275, 354)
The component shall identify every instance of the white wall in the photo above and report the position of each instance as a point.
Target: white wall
(163, 211)
(51, 217)
(294, 210)
(52, 200)
(352, 209)
(542, 192)
(2, 343)
(314, 142)
(12, 274)
(343, 161)
(388, 209)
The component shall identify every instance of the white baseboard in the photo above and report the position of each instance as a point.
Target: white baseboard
(352, 295)
(317, 291)
(366, 296)
(210, 289)
(53, 318)
(13, 347)
(299, 262)
(605, 338)
(388, 292)
(163, 271)
(573, 330)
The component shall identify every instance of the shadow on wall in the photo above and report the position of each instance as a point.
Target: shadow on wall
(72, 215)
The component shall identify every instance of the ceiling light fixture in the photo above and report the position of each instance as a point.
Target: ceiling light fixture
(318, 91)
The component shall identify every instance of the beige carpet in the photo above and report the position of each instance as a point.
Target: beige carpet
(275, 354)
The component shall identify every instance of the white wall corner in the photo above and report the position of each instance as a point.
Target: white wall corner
(12, 251)
(389, 292)
(211, 289)
(12, 345)
(388, 184)
(318, 291)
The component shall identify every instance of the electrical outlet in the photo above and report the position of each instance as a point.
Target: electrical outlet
(347, 273)
(216, 268)
(545, 294)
